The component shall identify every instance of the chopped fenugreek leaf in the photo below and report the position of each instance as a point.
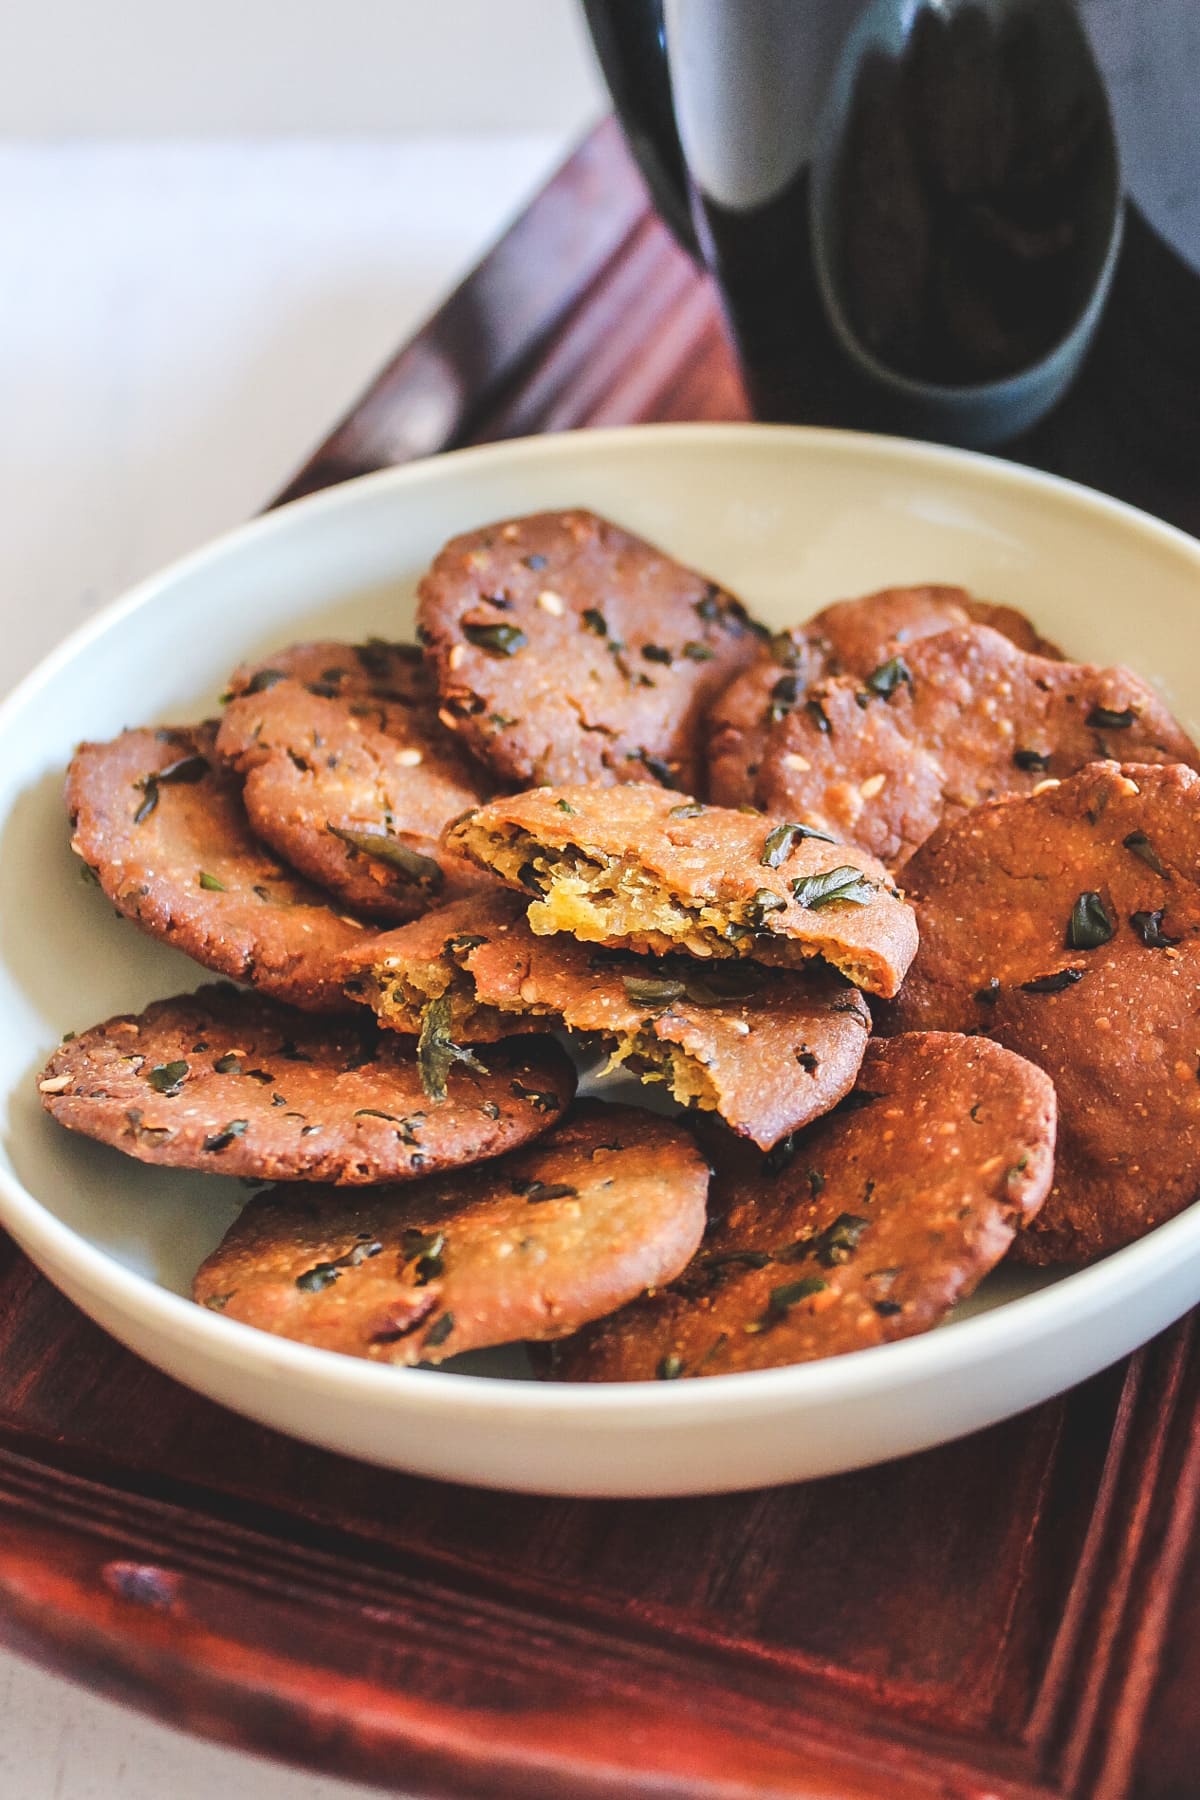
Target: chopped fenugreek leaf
(564, 806)
(887, 1309)
(817, 714)
(387, 849)
(1140, 844)
(595, 621)
(320, 1276)
(168, 1078)
(782, 1299)
(889, 676)
(211, 884)
(437, 1051)
(760, 907)
(440, 1330)
(652, 990)
(748, 1259)
(1089, 925)
(697, 652)
(845, 883)
(497, 640)
(1032, 759)
(263, 679)
(670, 1368)
(229, 1064)
(656, 653)
(691, 809)
(1053, 984)
(1104, 719)
(1148, 925)
(782, 840)
(221, 1140)
(538, 1191)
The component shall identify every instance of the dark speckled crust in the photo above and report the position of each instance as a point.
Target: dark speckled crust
(769, 1052)
(851, 637)
(618, 650)
(316, 765)
(888, 1213)
(332, 1102)
(883, 771)
(678, 869)
(994, 893)
(263, 924)
(494, 1256)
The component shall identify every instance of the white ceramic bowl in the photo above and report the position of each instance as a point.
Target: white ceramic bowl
(790, 518)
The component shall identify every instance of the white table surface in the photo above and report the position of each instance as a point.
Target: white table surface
(179, 325)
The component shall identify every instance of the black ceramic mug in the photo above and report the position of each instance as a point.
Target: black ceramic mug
(913, 209)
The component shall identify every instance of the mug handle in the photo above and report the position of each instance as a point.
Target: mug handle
(629, 38)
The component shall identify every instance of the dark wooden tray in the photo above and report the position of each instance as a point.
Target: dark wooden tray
(1012, 1616)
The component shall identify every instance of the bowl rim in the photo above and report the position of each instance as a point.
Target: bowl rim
(1068, 1302)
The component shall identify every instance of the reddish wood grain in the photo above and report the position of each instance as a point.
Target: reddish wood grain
(1012, 1616)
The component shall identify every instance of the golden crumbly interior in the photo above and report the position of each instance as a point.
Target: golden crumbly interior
(653, 1060)
(600, 900)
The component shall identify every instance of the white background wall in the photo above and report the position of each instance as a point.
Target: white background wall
(316, 67)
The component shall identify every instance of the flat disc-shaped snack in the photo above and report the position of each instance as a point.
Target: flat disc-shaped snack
(529, 1247)
(640, 869)
(966, 718)
(160, 822)
(569, 650)
(352, 788)
(233, 1084)
(1067, 926)
(883, 1216)
(851, 637)
(767, 1050)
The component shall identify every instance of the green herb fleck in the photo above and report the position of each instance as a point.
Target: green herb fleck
(387, 849)
(1140, 844)
(210, 883)
(437, 1051)
(498, 640)
(691, 809)
(229, 1064)
(844, 883)
(263, 679)
(595, 621)
(653, 990)
(782, 1299)
(563, 806)
(1053, 984)
(439, 1331)
(670, 1368)
(168, 1078)
(819, 717)
(1104, 719)
(1031, 759)
(889, 676)
(697, 652)
(1149, 927)
(656, 653)
(782, 840)
(1089, 925)
(221, 1140)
